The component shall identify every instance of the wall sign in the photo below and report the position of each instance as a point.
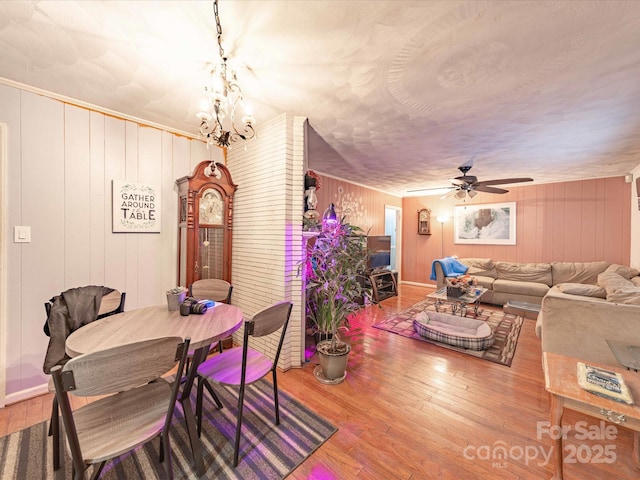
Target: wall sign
(136, 207)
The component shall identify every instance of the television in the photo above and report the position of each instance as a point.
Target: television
(379, 252)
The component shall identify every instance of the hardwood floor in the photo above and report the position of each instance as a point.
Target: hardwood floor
(410, 410)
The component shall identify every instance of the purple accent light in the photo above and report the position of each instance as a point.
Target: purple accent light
(329, 217)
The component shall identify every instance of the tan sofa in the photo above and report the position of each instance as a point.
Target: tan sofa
(524, 282)
(578, 319)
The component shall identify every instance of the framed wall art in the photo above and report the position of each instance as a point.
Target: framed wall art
(136, 207)
(488, 224)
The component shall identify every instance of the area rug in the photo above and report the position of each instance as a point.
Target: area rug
(506, 328)
(267, 451)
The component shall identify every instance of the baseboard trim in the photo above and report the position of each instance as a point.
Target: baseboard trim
(27, 394)
(418, 284)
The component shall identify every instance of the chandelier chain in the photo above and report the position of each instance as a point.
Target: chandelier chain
(218, 28)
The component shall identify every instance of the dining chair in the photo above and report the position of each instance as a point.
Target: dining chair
(214, 289)
(137, 404)
(244, 365)
(211, 289)
(110, 304)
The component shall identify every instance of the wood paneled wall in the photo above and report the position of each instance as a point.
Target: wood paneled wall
(61, 162)
(578, 221)
(361, 206)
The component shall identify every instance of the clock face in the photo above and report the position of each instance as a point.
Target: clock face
(424, 215)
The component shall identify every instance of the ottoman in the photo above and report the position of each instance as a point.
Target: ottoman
(454, 330)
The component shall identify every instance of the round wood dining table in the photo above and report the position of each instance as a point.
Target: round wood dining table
(146, 323)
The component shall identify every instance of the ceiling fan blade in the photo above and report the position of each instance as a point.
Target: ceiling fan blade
(484, 188)
(439, 189)
(502, 181)
(463, 179)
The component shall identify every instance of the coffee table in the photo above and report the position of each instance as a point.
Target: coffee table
(561, 381)
(458, 304)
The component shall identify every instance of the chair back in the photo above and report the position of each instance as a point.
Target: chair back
(214, 289)
(268, 321)
(121, 368)
(138, 401)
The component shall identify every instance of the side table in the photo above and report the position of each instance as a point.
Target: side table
(561, 381)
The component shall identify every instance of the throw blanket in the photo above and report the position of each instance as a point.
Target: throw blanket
(450, 266)
(70, 310)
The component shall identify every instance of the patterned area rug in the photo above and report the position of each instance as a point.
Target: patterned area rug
(267, 451)
(506, 328)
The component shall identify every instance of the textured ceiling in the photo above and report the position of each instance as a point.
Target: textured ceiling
(398, 93)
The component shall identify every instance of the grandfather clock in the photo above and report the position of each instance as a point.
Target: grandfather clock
(205, 212)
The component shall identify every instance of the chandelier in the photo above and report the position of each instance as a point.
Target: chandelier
(223, 102)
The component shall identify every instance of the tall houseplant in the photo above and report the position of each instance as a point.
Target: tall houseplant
(336, 263)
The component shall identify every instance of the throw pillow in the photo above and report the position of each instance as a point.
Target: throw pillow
(626, 272)
(636, 281)
(611, 282)
(628, 296)
(583, 289)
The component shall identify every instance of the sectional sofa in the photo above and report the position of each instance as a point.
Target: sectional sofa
(582, 304)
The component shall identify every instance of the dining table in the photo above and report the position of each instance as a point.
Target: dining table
(204, 330)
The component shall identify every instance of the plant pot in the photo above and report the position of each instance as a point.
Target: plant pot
(333, 365)
(174, 300)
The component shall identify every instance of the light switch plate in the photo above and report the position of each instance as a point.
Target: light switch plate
(21, 234)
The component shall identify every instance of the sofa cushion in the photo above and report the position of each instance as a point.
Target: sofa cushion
(619, 289)
(525, 272)
(583, 289)
(486, 282)
(636, 281)
(623, 271)
(534, 289)
(577, 272)
(482, 267)
(611, 282)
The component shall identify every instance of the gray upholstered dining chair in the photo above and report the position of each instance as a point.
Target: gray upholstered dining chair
(136, 403)
(243, 366)
(110, 304)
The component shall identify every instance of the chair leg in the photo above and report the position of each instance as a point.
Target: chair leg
(96, 471)
(199, 404)
(54, 431)
(275, 397)
(167, 448)
(211, 391)
(239, 425)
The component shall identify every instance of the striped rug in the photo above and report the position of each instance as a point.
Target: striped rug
(267, 451)
(506, 328)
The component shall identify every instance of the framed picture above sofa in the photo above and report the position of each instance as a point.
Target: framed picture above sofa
(487, 224)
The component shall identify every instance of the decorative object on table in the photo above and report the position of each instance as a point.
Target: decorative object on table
(604, 383)
(175, 297)
(506, 329)
(458, 286)
(311, 186)
(272, 457)
(334, 290)
(136, 207)
(489, 224)
(224, 102)
(191, 305)
(424, 221)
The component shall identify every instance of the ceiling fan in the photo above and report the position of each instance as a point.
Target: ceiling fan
(469, 185)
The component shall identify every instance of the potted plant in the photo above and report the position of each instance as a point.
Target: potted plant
(335, 265)
(175, 297)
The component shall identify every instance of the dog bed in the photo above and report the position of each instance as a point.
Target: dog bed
(454, 330)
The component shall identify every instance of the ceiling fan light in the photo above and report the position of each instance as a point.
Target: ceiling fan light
(460, 194)
(472, 193)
